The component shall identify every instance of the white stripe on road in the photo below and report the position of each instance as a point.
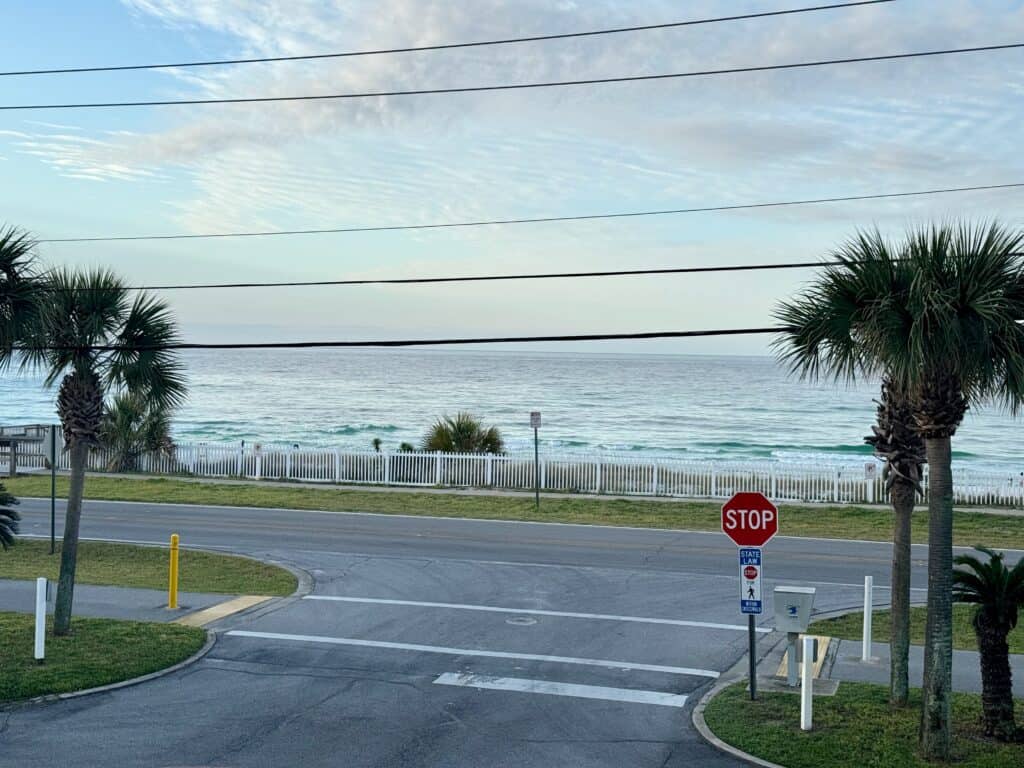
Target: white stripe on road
(536, 612)
(562, 689)
(623, 665)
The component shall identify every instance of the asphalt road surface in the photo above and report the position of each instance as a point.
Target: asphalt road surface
(439, 642)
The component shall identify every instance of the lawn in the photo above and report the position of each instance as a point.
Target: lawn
(127, 565)
(97, 652)
(850, 627)
(870, 523)
(854, 729)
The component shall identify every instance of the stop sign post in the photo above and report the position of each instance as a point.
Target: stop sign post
(750, 520)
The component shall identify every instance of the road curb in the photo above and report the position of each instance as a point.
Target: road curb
(736, 673)
(211, 640)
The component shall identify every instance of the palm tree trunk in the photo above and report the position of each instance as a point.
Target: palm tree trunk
(69, 546)
(996, 683)
(903, 496)
(935, 740)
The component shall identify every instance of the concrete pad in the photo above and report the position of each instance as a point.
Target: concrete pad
(109, 602)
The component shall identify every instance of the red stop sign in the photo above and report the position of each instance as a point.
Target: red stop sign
(750, 572)
(749, 519)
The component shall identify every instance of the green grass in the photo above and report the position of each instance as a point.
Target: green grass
(870, 523)
(127, 565)
(854, 729)
(97, 652)
(850, 627)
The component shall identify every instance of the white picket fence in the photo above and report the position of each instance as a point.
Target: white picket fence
(597, 473)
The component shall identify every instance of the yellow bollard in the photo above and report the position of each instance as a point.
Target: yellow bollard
(172, 587)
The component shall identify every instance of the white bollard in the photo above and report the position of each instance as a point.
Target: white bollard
(40, 651)
(865, 649)
(807, 685)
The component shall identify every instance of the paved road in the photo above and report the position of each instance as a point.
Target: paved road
(435, 642)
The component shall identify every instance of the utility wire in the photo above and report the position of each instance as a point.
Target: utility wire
(517, 86)
(444, 46)
(539, 220)
(490, 278)
(408, 342)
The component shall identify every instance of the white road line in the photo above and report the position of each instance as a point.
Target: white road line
(536, 612)
(623, 665)
(562, 689)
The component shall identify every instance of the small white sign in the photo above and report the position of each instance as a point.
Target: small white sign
(534, 419)
(870, 470)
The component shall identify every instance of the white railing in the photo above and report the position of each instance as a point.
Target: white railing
(596, 473)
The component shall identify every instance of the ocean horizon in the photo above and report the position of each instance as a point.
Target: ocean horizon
(651, 405)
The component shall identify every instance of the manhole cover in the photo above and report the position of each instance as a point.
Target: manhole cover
(521, 621)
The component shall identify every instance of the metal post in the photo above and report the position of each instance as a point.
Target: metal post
(53, 489)
(752, 637)
(807, 685)
(172, 586)
(865, 650)
(792, 674)
(40, 648)
(536, 466)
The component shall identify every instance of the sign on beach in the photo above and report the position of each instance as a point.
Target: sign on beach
(534, 419)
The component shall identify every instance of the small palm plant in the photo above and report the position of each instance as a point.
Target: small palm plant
(8, 518)
(98, 341)
(377, 443)
(463, 433)
(997, 592)
(133, 426)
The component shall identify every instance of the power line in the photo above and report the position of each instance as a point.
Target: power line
(410, 342)
(444, 46)
(487, 278)
(539, 220)
(517, 86)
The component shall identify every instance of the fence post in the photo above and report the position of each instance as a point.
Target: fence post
(288, 464)
(869, 490)
(437, 468)
(489, 471)
(387, 469)
(259, 466)
(241, 456)
(774, 482)
(714, 482)
(654, 480)
(597, 489)
(543, 474)
(835, 486)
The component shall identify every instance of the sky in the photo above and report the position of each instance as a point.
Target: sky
(836, 131)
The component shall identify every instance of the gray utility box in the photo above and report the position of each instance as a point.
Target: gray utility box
(793, 608)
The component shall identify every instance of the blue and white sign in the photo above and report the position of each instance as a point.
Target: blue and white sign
(750, 580)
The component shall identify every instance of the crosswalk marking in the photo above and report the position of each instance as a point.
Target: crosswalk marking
(351, 641)
(537, 612)
(562, 689)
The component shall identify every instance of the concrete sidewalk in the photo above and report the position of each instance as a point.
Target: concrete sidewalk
(110, 602)
(847, 665)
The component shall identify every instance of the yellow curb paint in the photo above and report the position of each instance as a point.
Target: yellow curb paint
(816, 667)
(219, 611)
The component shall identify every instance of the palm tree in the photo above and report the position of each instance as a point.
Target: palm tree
(19, 288)
(896, 441)
(133, 426)
(96, 340)
(997, 592)
(462, 433)
(941, 319)
(8, 518)
(376, 443)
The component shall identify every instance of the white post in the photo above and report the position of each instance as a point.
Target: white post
(597, 472)
(489, 479)
(654, 480)
(865, 649)
(870, 490)
(714, 482)
(835, 486)
(543, 474)
(241, 455)
(288, 464)
(337, 465)
(437, 469)
(774, 483)
(807, 685)
(259, 466)
(40, 651)
(387, 469)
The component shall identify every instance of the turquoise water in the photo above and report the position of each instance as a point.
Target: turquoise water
(664, 405)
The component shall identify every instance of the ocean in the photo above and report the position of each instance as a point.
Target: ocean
(699, 407)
